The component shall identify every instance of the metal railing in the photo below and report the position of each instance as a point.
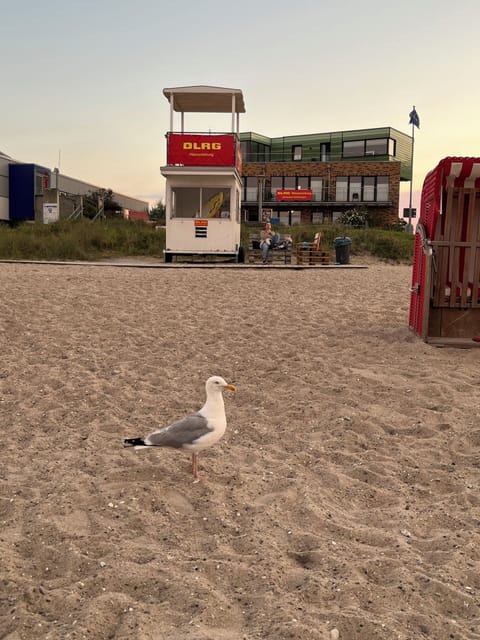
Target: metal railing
(325, 198)
(262, 158)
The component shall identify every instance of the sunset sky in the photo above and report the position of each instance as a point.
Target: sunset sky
(81, 83)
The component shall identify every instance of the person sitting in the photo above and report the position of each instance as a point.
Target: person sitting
(268, 239)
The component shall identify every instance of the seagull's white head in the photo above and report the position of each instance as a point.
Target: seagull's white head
(218, 383)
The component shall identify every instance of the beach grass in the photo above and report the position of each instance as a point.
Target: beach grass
(80, 240)
(103, 239)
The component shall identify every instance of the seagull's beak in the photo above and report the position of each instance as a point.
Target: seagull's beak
(231, 387)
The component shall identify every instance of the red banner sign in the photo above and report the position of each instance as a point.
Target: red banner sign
(217, 150)
(294, 194)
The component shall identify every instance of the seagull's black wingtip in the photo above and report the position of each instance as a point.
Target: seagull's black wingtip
(134, 442)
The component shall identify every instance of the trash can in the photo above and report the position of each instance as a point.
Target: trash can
(342, 250)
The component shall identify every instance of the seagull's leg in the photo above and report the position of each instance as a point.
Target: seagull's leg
(194, 465)
(196, 473)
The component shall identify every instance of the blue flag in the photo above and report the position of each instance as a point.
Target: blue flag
(414, 119)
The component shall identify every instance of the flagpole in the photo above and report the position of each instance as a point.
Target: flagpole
(415, 122)
(411, 181)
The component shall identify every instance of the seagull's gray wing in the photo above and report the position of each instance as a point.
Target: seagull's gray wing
(180, 433)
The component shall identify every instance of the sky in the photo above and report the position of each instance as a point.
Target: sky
(81, 82)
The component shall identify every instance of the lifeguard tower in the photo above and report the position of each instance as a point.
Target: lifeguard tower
(203, 177)
(445, 292)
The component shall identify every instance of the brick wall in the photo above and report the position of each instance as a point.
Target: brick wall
(329, 171)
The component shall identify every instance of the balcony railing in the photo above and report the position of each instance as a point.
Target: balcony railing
(324, 199)
(311, 157)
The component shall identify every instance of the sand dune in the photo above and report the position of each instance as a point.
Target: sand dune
(342, 502)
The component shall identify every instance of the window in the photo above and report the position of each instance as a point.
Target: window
(382, 188)
(297, 152)
(185, 202)
(375, 147)
(353, 148)
(244, 147)
(296, 182)
(251, 189)
(369, 189)
(276, 184)
(380, 147)
(206, 202)
(341, 189)
(290, 182)
(316, 187)
(41, 183)
(303, 182)
(254, 151)
(362, 189)
(355, 189)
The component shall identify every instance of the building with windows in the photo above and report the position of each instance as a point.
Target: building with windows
(314, 178)
(23, 187)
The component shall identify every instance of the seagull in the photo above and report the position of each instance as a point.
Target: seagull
(196, 432)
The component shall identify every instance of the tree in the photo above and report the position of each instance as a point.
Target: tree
(157, 213)
(109, 202)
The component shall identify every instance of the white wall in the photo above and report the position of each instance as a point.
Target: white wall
(4, 208)
(4, 162)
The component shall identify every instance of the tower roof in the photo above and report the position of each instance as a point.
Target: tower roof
(204, 99)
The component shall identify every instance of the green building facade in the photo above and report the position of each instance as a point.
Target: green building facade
(361, 168)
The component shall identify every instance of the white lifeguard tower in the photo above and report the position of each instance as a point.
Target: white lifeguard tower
(203, 177)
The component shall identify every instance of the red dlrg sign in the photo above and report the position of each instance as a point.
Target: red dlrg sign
(294, 194)
(217, 150)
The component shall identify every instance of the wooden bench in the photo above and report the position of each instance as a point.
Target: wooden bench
(282, 253)
(311, 253)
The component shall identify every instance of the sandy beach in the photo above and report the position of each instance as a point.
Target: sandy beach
(342, 503)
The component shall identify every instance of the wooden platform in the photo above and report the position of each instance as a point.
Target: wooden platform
(312, 253)
(308, 255)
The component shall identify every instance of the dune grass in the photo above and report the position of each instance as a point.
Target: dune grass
(389, 245)
(86, 240)
(80, 240)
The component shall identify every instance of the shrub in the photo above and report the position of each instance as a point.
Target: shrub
(355, 217)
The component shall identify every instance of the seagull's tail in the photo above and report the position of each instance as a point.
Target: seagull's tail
(134, 442)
